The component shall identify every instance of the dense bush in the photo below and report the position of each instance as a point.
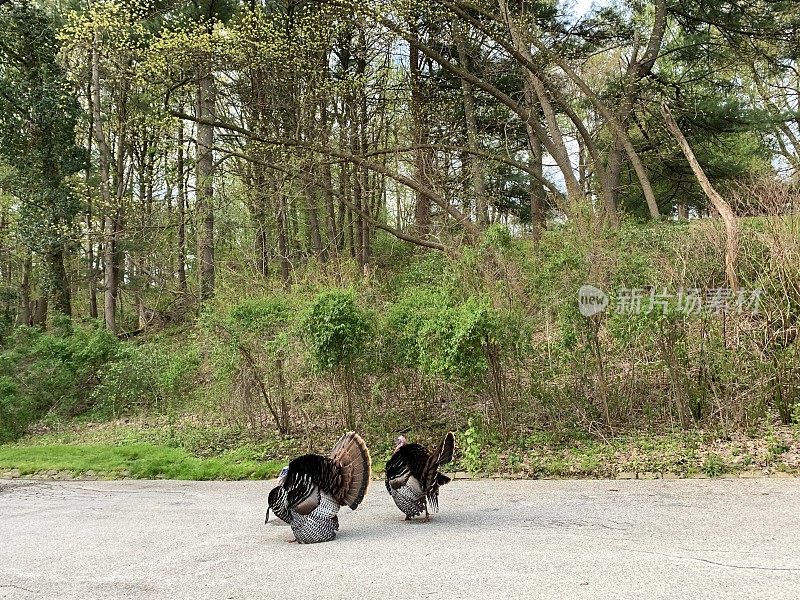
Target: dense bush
(467, 341)
(51, 372)
(75, 370)
(335, 330)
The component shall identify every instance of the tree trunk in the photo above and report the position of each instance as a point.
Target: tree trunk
(109, 274)
(24, 315)
(615, 161)
(283, 238)
(313, 222)
(356, 172)
(259, 216)
(62, 300)
(345, 217)
(717, 201)
(181, 213)
(110, 307)
(327, 189)
(363, 120)
(90, 266)
(40, 311)
(618, 130)
(205, 180)
(536, 190)
(638, 68)
(422, 207)
(90, 271)
(538, 99)
(475, 162)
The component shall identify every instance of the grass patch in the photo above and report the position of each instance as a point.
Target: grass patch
(682, 453)
(186, 449)
(140, 461)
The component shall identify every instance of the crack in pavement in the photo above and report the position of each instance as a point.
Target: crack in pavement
(16, 587)
(713, 562)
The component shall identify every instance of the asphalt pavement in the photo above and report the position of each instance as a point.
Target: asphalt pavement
(686, 539)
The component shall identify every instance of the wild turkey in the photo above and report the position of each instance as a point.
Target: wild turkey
(413, 478)
(313, 487)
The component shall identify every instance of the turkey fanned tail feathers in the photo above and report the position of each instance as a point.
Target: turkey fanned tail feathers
(413, 478)
(351, 455)
(315, 486)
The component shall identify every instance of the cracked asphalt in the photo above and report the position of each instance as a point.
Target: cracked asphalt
(492, 539)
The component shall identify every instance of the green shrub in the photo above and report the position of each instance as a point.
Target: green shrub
(471, 447)
(714, 465)
(498, 236)
(263, 316)
(430, 331)
(453, 342)
(336, 330)
(54, 372)
(15, 412)
(405, 321)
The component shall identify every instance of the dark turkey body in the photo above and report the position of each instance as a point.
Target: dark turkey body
(405, 480)
(320, 525)
(408, 500)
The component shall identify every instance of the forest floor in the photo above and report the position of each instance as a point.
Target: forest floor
(491, 539)
(162, 448)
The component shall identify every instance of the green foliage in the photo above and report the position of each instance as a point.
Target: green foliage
(431, 270)
(15, 411)
(261, 315)
(406, 320)
(498, 237)
(430, 331)
(81, 369)
(452, 341)
(52, 372)
(422, 345)
(776, 446)
(471, 447)
(255, 345)
(38, 117)
(336, 329)
(714, 465)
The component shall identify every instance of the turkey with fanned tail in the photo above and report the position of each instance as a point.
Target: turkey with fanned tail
(313, 487)
(413, 478)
